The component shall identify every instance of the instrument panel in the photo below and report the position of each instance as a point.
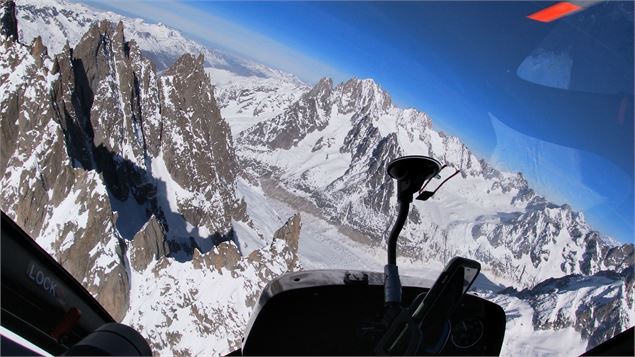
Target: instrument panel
(331, 312)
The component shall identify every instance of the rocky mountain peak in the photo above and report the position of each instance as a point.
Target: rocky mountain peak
(98, 48)
(187, 63)
(119, 32)
(323, 87)
(198, 151)
(39, 51)
(148, 244)
(309, 113)
(363, 96)
(44, 188)
(8, 21)
(290, 231)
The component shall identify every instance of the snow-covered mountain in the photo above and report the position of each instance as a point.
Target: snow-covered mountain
(330, 148)
(256, 90)
(62, 21)
(332, 145)
(594, 305)
(175, 184)
(129, 179)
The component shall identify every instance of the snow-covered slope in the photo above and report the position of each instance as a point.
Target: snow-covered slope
(568, 315)
(248, 100)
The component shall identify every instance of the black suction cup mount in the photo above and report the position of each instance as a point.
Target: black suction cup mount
(411, 172)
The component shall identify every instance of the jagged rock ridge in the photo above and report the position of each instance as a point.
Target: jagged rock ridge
(118, 172)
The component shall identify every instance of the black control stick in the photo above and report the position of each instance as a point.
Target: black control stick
(423, 327)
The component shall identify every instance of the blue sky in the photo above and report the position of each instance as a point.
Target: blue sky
(554, 101)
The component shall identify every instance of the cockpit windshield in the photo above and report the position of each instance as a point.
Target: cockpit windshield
(176, 157)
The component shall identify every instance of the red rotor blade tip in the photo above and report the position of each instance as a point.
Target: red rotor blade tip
(554, 12)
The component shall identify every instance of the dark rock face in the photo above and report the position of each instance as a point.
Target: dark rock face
(107, 86)
(79, 134)
(370, 153)
(616, 258)
(41, 184)
(8, 22)
(197, 146)
(285, 245)
(70, 109)
(225, 255)
(148, 244)
(114, 291)
(380, 185)
(290, 233)
(114, 123)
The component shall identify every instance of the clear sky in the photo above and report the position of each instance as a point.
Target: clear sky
(552, 100)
